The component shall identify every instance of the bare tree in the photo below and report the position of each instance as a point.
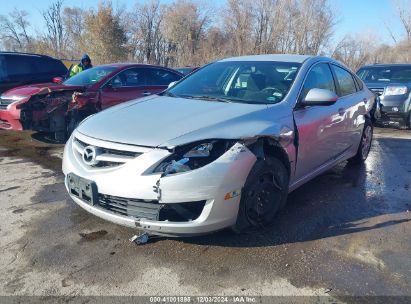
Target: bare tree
(105, 36)
(14, 31)
(146, 38)
(238, 22)
(73, 22)
(184, 27)
(404, 13)
(312, 25)
(55, 34)
(356, 51)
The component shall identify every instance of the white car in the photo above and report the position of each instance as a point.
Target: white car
(222, 147)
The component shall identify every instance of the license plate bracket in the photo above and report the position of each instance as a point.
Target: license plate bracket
(83, 188)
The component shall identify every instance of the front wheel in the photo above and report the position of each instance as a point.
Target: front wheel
(263, 195)
(365, 143)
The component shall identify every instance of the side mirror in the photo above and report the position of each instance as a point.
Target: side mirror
(319, 97)
(57, 80)
(171, 84)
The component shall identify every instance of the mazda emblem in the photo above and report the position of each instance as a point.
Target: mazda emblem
(89, 155)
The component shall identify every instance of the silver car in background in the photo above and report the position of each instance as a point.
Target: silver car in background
(221, 148)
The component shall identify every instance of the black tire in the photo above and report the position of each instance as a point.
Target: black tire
(73, 120)
(409, 120)
(365, 144)
(72, 125)
(263, 195)
(60, 136)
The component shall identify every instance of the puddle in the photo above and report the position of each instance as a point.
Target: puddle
(92, 236)
(19, 211)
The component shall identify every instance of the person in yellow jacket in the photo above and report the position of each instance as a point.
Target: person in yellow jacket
(83, 65)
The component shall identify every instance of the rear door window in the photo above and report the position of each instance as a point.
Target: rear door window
(161, 77)
(320, 77)
(345, 81)
(130, 78)
(19, 66)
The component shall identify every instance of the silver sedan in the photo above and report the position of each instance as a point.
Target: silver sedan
(222, 147)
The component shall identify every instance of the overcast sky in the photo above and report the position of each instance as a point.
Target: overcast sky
(353, 16)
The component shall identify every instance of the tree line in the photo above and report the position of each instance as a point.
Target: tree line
(194, 32)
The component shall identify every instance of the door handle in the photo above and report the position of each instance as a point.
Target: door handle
(147, 93)
(341, 111)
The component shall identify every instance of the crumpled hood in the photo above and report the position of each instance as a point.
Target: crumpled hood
(167, 121)
(29, 90)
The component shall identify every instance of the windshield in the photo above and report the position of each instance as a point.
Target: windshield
(386, 74)
(184, 71)
(90, 76)
(239, 81)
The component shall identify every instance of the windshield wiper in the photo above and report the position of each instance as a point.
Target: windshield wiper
(206, 97)
(169, 94)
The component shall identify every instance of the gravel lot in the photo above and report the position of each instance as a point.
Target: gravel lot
(346, 233)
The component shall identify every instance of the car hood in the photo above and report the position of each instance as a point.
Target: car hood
(29, 90)
(167, 121)
(385, 84)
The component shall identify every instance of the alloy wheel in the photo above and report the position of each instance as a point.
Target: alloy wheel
(366, 142)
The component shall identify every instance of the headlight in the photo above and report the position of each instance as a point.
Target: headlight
(10, 100)
(391, 90)
(193, 156)
(13, 98)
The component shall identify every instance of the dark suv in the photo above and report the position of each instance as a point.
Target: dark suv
(18, 69)
(392, 83)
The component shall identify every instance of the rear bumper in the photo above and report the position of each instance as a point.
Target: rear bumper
(10, 120)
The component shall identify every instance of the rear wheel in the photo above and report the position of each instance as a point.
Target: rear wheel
(365, 144)
(264, 194)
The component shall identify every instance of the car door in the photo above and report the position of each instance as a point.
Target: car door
(352, 103)
(124, 86)
(319, 127)
(158, 79)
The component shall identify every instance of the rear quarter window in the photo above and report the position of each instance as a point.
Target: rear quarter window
(360, 84)
(345, 81)
(161, 77)
(50, 66)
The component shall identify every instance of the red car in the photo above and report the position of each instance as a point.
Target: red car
(58, 107)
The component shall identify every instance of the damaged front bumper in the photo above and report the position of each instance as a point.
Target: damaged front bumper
(394, 119)
(183, 204)
(10, 120)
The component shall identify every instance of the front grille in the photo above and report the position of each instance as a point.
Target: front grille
(5, 102)
(151, 209)
(106, 157)
(130, 207)
(377, 91)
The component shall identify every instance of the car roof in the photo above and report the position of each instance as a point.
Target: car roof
(387, 65)
(130, 64)
(26, 54)
(271, 57)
